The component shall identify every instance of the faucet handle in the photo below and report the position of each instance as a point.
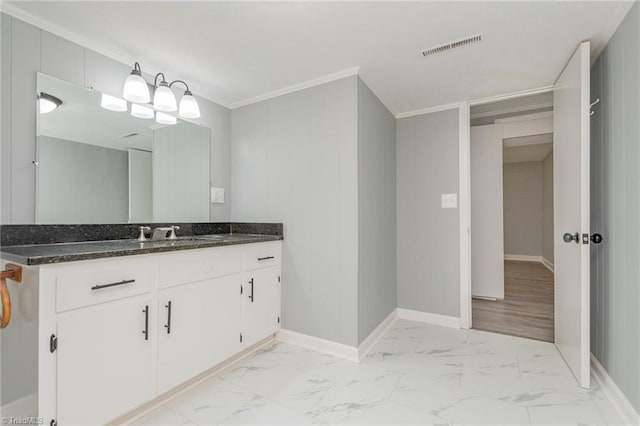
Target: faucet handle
(142, 236)
(172, 235)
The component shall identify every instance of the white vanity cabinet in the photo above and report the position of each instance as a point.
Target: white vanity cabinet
(198, 322)
(116, 333)
(261, 301)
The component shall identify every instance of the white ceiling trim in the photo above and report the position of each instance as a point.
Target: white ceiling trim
(421, 111)
(507, 96)
(11, 10)
(297, 87)
(512, 110)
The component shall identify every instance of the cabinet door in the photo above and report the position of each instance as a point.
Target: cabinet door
(261, 304)
(201, 329)
(104, 361)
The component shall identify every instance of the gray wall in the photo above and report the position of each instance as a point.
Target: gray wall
(547, 208)
(376, 212)
(295, 160)
(81, 183)
(26, 50)
(428, 236)
(522, 186)
(615, 207)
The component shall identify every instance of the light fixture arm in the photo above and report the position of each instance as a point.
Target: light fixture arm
(155, 80)
(180, 81)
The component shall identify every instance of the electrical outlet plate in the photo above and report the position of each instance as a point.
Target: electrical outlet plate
(449, 201)
(217, 195)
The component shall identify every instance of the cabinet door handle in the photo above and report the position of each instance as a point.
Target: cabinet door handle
(251, 294)
(146, 322)
(100, 286)
(266, 258)
(168, 324)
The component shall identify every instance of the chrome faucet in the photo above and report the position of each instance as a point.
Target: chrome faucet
(143, 229)
(165, 233)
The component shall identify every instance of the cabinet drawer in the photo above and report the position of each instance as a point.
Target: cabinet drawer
(92, 282)
(261, 255)
(197, 265)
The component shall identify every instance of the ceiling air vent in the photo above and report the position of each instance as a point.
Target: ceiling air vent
(452, 45)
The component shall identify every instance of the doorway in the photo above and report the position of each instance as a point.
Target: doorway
(512, 217)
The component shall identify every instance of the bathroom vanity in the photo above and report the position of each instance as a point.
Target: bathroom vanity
(120, 323)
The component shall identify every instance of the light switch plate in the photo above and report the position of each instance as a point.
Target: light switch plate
(217, 195)
(449, 201)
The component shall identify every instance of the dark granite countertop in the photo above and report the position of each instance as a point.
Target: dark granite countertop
(42, 254)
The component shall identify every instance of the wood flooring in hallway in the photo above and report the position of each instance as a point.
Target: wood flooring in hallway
(527, 308)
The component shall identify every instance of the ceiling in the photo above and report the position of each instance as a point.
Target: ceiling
(237, 52)
(520, 154)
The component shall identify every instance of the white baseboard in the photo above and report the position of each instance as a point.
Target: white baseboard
(317, 344)
(522, 258)
(626, 411)
(365, 347)
(21, 408)
(546, 263)
(435, 319)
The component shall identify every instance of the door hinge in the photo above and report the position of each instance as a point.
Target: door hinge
(53, 422)
(278, 320)
(53, 343)
(240, 337)
(241, 290)
(278, 278)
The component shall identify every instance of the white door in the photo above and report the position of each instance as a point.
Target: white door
(261, 304)
(487, 244)
(571, 141)
(104, 361)
(198, 327)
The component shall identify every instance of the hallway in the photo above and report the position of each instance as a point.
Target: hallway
(527, 308)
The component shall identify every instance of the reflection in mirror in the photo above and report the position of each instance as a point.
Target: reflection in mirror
(101, 159)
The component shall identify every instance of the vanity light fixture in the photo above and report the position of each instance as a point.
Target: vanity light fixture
(136, 90)
(47, 103)
(163, 118)
(141, 111)
(135, 87)
(112, 103)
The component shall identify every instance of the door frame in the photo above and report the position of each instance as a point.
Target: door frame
(465, 195)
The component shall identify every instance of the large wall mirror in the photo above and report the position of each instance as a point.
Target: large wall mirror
(99, 161)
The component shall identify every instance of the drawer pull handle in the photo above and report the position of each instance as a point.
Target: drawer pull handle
(251, 295)
(266, 258)
(100, 286)
(146, 322)
(168, 324)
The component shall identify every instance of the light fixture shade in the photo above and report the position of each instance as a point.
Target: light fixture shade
(164, 99)
(189, 106)
(112, 103)
(135, 88)
(141, 111)
(47, 103)
(163, 118)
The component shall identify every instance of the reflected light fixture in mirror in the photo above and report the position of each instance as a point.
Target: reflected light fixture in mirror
(135, 87)
(141, 111)
(47, 103)
(163, 97)
(112, 103)
(163, 118)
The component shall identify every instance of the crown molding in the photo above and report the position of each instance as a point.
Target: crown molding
(297, 87)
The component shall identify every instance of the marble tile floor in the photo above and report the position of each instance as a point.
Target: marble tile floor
(416, 374)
